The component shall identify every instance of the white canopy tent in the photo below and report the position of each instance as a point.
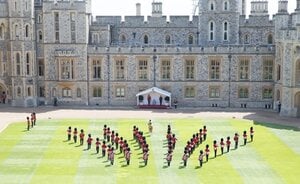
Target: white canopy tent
(152, 96)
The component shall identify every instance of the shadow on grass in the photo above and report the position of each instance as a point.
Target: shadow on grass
(142, 166)
(181, 167)
(197, 167)
(165, 167)
(125, 165)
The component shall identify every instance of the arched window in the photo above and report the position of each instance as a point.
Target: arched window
(146, 39)
(67, 92)
(246, 39)
(18, 64)
(212, 6)
(78, 92)
(19, 92)
(168, 39)
(1, 31)
(27, 64)
(270, 39)
(40, 19)
(123, 38)
(191, 39)
(16, 31)
(211, 31)
(29, 91)
(225, 6)
(225, 31)
(40, 36)
(27, 31)
(298, 72)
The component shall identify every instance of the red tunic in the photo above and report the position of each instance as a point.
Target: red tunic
(89, 140)
(98, 144)
(215, 146)
(81, 135)
(103, 147)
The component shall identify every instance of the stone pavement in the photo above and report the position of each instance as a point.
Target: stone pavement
(14, 114)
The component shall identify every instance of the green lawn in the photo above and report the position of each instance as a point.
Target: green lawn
(42, 155)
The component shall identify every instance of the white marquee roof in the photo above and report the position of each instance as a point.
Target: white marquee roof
(154, 89)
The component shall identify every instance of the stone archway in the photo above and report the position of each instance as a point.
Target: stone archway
(297, 103)
(3, 93)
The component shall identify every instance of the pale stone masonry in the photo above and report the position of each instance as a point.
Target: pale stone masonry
(56, 51)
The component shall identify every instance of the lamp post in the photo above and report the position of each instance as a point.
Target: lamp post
(154, 67)
(229, 80)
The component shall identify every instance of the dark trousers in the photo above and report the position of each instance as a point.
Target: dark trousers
(108, 138)
(222, 150)
(215, 153)
(34, 122)
(184, 163)
(89, 146)
(201, 162)
(228, 148)
(75, 139)
(146, 161)
(236, 145)
(103, 153)
(112, 161)
(245, 141)
(69, 137)
(97, 150)
(117, 145)
(128, 162)
(81, 141)
(206, 158)
(169, 162)
(251, 137)
(204, 137)
(28, 127)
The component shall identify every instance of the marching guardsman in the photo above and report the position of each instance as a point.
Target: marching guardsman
(34, 118)
(69, 132)
(222, 144)
(184, 158)
(127, 156)
(121, 142)
(145, 157)
(134, 132)
(112, 156)
(104, 131)
(245, 137)
(81, 137)
(112, 137)
(117, 139)
(32, 121)
(173, 141)
(251, 133)
(204, 133)
(201, 156)
(169, 157)
(89, 141)
(236, 140)
(108, 132)
(97, 145)
(150, 127)
(28, 123)
(215, 147)
(228, 142)
(109, 150)
(200, 135)
(103, 148)
(75, 135)
(207, 151)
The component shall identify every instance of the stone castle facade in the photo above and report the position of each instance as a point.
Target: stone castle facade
(54, 50)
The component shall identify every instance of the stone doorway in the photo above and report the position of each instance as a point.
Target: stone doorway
(3, 93)
(297, 103)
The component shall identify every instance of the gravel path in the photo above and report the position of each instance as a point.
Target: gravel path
(9, 114)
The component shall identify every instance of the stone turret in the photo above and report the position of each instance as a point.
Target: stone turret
(138, 9)
(156, 9)
(282, 6)
(259, 7)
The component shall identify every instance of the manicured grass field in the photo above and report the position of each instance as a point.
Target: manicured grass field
(42, 155)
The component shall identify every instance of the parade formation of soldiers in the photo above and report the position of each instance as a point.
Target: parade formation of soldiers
(112, 142)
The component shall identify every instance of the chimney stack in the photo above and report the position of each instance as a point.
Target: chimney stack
(138, 9)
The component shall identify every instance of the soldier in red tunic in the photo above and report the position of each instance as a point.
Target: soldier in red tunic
(204, 132)
(200, 136)
(236, 140)
(145, 157)
(69, 133)
(104, 131)
(184, 158)
(222, 144)
(89, 142)
(207, 151)
(215, 147)
(201, 156)
(228, 142)
(127, 156)
(75, 135)
(169, 157)
(245, 137)
(117, 139)
(81, 137)
(108, 132)
(112, 136)
(28, 123)
(97, 145)
(103, 148)
(112, 156)
(251, 133)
